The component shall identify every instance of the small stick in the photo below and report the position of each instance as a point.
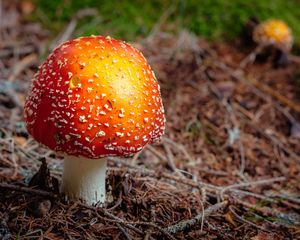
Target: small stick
(247, 184)
(21, 50)
(185, 181)
(124, 231)
(242, 193)
(113, 217)
(21, 65)
(170, 158)
(156, 153)
(187, 224)
(275, 94)
(27, 190)
(69, 29)
(162, 230)
(246, 221)
(135, 157)
(180, 147)
(163, 18)
(251, 57)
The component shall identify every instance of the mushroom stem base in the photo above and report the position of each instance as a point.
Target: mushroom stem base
(84, 179)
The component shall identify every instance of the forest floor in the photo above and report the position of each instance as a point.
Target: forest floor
(228, 166)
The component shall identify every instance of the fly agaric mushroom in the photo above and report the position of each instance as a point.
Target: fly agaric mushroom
(92, 98)
(273, 32)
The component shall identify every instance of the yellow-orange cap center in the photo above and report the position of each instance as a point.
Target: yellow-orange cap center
(274, 32)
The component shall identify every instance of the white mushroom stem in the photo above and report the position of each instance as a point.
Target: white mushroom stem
(84, 179)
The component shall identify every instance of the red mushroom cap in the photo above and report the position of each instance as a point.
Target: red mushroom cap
(95, 96)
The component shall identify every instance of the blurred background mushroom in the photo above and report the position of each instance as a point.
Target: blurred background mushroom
(273, 37)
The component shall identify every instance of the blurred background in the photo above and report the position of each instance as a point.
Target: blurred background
(136, 18)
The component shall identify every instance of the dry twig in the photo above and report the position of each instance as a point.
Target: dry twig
(69, 29)
(27, 190)
(188, 224)
(250, 184)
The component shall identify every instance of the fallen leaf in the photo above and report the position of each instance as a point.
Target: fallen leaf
(229, 219)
